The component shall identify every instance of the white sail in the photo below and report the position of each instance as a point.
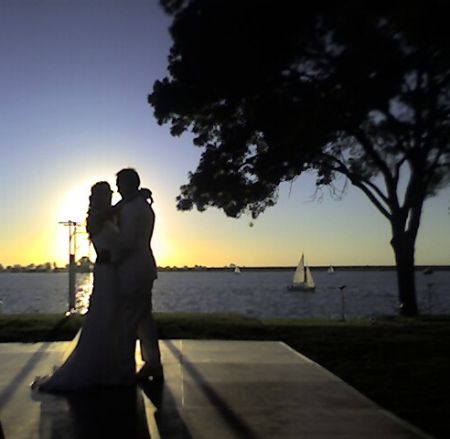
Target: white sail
(309, 279)
(299, 275)
(237, 270)
(303, 280)
(330, 269)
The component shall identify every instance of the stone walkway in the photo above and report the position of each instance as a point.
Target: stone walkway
(213, 390)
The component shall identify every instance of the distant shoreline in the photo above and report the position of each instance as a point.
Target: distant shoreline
(259, 268)
(316, 268)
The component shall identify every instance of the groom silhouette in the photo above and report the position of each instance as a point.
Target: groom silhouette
(136, 269)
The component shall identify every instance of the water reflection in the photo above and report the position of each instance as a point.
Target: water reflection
(84, 290)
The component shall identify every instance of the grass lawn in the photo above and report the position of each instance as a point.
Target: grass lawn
(402, 364)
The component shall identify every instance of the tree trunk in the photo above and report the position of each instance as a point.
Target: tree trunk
(403, 245)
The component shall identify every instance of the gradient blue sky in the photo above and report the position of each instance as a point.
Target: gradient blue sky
(75, 75)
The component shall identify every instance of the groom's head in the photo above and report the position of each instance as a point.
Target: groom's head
(128, 183)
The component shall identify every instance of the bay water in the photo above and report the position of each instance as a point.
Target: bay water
(367, 293)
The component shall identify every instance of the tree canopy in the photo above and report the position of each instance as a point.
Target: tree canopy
(273, 88)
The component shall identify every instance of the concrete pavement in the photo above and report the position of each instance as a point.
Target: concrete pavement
(213, 389)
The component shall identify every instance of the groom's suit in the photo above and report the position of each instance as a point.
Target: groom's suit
(136, 270)
(133, 252)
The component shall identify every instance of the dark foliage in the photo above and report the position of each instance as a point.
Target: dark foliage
(271, 89)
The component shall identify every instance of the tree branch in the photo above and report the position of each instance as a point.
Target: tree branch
(398, 167)
(343, 169)
(430, 170)
(368, 147)
(444, 81)
(397, 127)
(372, 198)
(365, 185)
(391, 184)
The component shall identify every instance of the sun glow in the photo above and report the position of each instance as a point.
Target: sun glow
(75, 202)
(73, 207)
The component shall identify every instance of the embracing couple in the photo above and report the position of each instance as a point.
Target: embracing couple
(120, 309)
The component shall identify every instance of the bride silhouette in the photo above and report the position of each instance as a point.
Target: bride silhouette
(94, 359)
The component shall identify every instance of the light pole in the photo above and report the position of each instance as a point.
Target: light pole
(72, 259)
(342, 287)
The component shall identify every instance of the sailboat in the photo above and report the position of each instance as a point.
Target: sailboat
(237, 270)
(303, 280)
(330, 269)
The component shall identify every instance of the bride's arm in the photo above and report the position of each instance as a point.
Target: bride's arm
(146, 194)
(113, 210)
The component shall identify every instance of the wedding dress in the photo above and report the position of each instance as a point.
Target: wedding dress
(95, 359)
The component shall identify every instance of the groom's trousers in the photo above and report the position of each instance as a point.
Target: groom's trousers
(148, 335)
(135, 320)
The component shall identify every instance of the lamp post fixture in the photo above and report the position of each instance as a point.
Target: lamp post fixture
(73, 225)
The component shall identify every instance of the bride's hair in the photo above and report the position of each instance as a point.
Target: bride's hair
(99, 207)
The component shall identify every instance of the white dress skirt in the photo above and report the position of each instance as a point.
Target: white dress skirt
(95, 359)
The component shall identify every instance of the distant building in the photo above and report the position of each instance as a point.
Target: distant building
(85, 265)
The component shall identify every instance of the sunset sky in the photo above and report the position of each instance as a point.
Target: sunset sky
(75, 75)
